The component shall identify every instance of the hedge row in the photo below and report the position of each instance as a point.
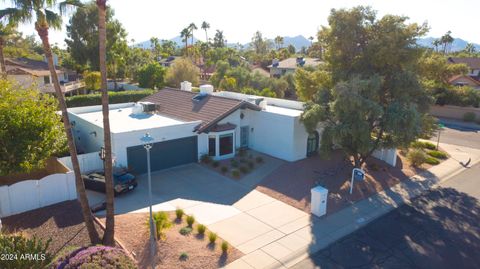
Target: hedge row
(114, 98)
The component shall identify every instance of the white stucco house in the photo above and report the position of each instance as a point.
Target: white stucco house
(187, 125)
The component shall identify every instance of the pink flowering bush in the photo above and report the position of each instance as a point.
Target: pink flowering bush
(95, 257)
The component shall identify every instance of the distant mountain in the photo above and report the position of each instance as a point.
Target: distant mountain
(178, 40)
(298, 42)
(457, 45)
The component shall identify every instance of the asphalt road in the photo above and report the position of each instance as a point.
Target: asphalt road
(440, 229)
(458, 135)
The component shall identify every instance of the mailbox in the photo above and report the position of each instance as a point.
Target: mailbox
(319, 201)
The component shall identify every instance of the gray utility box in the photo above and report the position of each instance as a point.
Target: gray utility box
(319, 201)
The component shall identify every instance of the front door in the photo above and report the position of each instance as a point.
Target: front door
(244, 136)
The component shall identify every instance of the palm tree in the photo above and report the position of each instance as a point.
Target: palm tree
(278, 42)
(108, 237)
(184, 35)
(470, 48)
(205, 26)
(311, 40)
(192, 27)
(45, 17)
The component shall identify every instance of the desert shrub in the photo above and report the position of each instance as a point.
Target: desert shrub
(183, 256)
(423, 145)
(205, 159)
(251, 164)
(16, 245)
(190, 220)
(185, 231)
(179, 213)
(235, 173)
(95, 257)
(113, 98)
(212, 237)
(469, 117)
(438, 154)
(432, 160)
(243, 169)
(429, 145)
(224, 246)
(416, 157)
(161, 221)
(233, 163)
(224, 169)
(216, 164)
(201, 229)
(259, 159)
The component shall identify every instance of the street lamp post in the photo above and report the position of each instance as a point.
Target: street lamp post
(147, 141)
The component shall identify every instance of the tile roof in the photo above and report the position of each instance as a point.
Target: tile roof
(28, 66)
(472, 62)
(211, 109)
(473, 80)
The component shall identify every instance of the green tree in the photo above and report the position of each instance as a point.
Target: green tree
(92, 80)
(308, 83)
(291, 49)
(446, 41)
(376, 101)
(6, 29)
(184, 34)
(470, 49)
(151, 76)
(31, 129)
(435, 71)
(219, 40)
(82, 40)
(192, 27)
(267, 93)
(260, 44)
(45, 17)
(228, 84)
(182, 70)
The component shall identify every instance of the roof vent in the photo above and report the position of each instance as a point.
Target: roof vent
(149, 107)
(208, 89)
(199, 97)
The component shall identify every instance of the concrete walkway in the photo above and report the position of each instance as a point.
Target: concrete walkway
(293, 237)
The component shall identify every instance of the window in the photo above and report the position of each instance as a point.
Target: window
(226, 144)
(46, 79)
(211, 146)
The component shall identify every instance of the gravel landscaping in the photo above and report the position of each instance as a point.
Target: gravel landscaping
(62, 222)
(174, 250)
(291, 182)
(244, 162)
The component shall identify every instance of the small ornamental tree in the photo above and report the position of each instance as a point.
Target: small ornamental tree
(92, 80)
(151, 76)
(30, 129)
(182, 70)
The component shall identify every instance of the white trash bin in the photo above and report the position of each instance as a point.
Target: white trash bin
(319, 201)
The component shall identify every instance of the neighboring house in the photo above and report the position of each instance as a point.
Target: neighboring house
(188, 125)
(471, 79)
(289, 65)
(473, 64)
(258, 69)
(465, 80)
(30, 72)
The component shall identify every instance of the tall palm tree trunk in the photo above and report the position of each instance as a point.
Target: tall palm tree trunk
(108, 238)
(206, 36)
(82, 195)
(2, 59)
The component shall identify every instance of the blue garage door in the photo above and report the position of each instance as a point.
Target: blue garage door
(163, 155)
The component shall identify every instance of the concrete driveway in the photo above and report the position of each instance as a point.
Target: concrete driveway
(253, 222)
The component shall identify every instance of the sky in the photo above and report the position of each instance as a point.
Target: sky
(239, 20)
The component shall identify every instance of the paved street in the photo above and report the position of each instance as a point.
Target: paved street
(437, 230)
(457, 134)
